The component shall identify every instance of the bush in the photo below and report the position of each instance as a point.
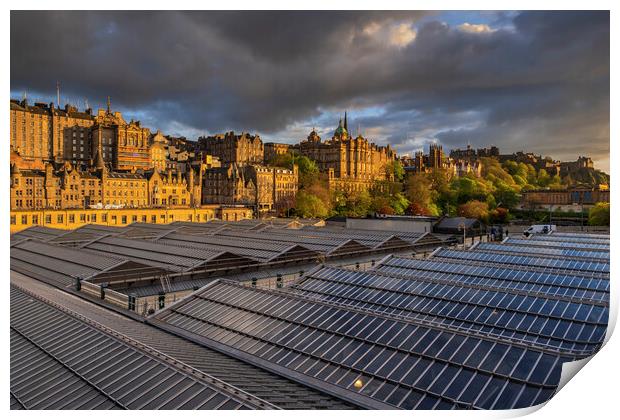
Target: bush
(599, 215)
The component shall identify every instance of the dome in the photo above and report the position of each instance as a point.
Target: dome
(341, 131)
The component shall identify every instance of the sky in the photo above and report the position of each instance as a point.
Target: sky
(532, 81)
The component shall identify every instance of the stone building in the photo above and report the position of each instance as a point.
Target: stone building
(454, 167)
(68, 187)
(125, 144)
(564, 199)
(158, 152)
(44, 133)
(74, 218)
(231, 148)
(275, 149)
(264, 188)
(352, 164)
(168, 190)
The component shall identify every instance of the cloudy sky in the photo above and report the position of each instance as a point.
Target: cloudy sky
(534, 81)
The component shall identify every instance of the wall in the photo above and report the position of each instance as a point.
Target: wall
(72, 219)
(391, 225)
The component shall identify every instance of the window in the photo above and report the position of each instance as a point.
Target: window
(104, 217)
(71, 218)
(124, 220)
(48, 219)
(35, 219)
(114, 219)
(82, 217)
(60, 218)
(93, 218)
(134, 218)
(12, 220)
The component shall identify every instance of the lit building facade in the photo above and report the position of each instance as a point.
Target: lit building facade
(232, 148)
(352, 164)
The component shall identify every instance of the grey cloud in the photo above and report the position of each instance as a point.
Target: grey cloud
(272, 71)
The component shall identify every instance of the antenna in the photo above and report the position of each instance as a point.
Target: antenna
(58, 93)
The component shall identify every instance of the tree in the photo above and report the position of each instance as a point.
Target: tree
(309, 205)
(599, 215)
(474, 209)
(499, 215)
(394, 170)
(419, 192)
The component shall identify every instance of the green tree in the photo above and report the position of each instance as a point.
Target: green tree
(309, 205)
(394, 170)
(599, 215)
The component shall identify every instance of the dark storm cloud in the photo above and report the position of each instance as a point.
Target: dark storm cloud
(540, 80)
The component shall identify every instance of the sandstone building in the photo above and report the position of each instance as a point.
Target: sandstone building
(42, 133)
(68, 187)
(352, 164)
(232, 148)
(266, 189)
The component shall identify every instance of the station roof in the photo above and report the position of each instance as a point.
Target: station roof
(573, 254)
(556, 244)
(99, 370)
(259, 249)
(468, 307)
(172, 258)
(528, 279)
(581, 238)
(558, 265)
(268, 386)
(63, 265)
(372, 360)
(38, 232)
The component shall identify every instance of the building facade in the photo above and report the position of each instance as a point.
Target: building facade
(264, 188)
(241, 149)
(352, 164)
(68, 187)
(42, 133)
(74, 218)
(272, 150)
(571, 198)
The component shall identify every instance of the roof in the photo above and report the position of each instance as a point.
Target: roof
(517, 249)
(257, 249)
(172, 258)
(531, 279)
(39, 232)
(47, 373)
(454, 223)
(62, 265)
(557, 265)
(569, 244)
(371, 360)
(274, 389)
(476, 309)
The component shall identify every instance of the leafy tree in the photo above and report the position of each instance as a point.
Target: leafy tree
(309, 205)
(419, 193)
(474, 209)
(599, 215)
(394, 170)
(499, 215)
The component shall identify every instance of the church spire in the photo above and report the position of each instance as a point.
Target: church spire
(108, 103)
(345, 121)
